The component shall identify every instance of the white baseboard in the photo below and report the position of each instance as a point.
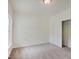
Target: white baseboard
(25, 45)
(10, 50)
(56, 44)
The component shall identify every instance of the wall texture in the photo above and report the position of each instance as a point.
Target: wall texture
(30, 29)
(56, 27)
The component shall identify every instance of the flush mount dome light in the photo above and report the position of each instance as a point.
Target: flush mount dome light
(47, 1)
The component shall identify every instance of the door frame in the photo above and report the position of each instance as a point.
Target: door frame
(62, 30)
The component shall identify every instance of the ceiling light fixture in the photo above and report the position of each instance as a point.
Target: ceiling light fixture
(47, 1)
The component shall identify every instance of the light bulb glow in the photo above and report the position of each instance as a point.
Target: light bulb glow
(47, 1)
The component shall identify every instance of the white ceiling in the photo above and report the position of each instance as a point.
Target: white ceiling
(37, 6)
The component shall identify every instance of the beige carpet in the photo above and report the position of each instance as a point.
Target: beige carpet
(46, 51)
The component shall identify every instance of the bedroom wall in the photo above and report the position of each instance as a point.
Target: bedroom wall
(56, 27)
(10, 29)
(30, 29)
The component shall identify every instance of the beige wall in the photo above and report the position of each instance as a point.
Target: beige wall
(30, 29)
(56, 27)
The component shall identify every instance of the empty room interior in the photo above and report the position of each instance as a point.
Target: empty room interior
(39, 29)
